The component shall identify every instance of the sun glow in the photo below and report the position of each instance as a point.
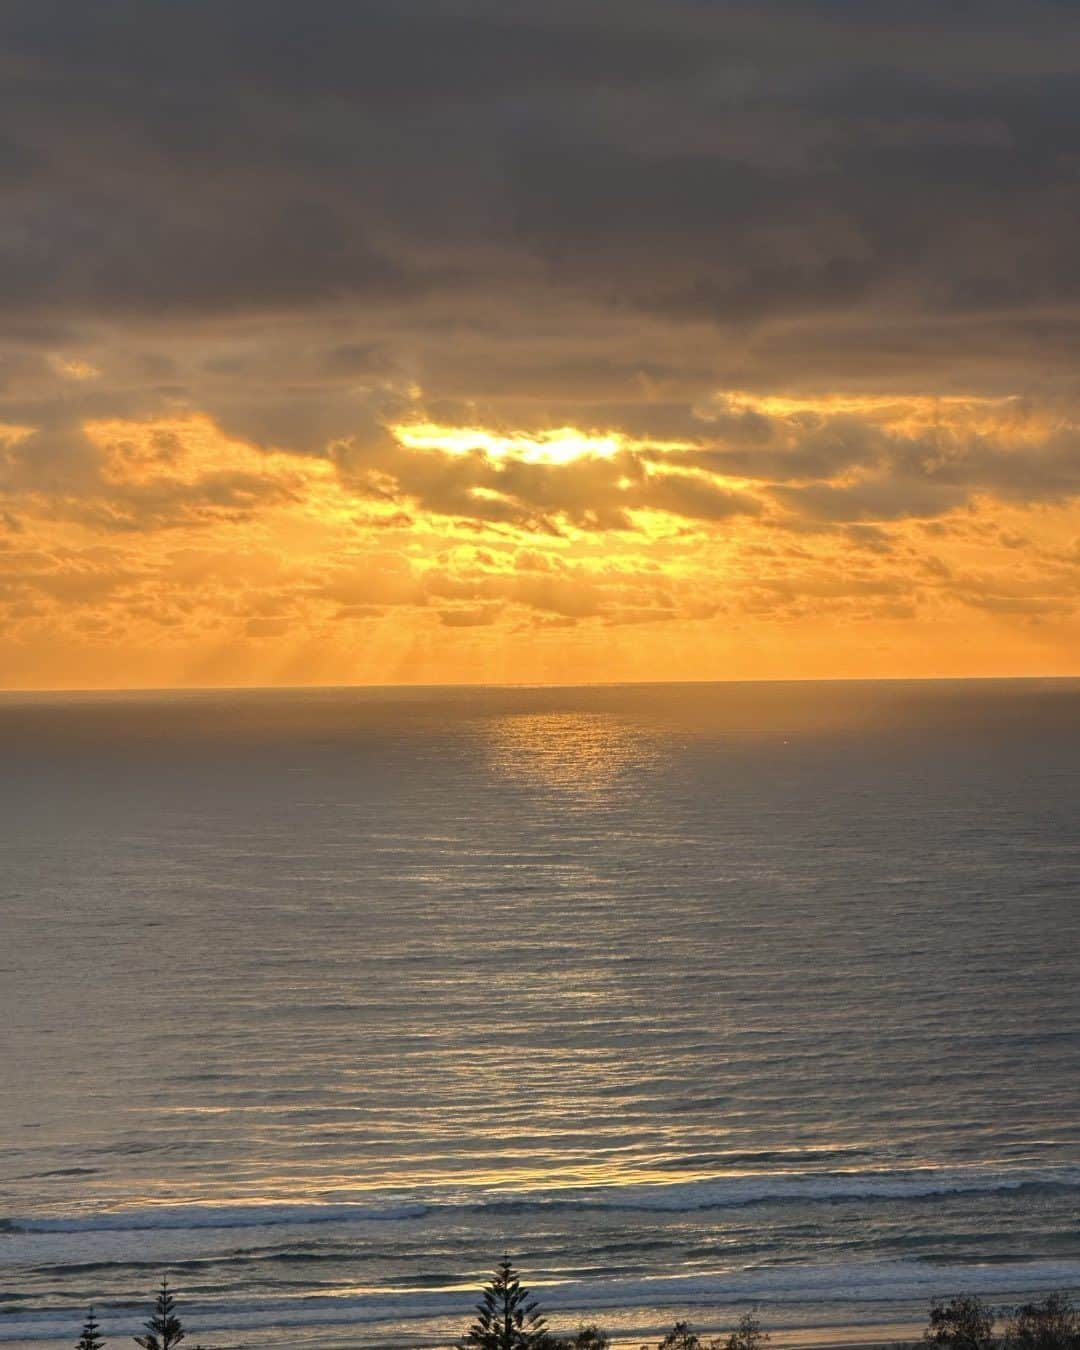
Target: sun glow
(559, 445)
(192, 553)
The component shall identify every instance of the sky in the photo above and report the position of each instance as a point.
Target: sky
(397, 342)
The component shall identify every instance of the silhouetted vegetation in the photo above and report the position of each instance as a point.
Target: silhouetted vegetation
(163, 1329)
(506, 1316)
(966, 1323)
(748, 1335)
(587, 1337)
(1050, 1324)
(963, 1323)
(91, 1338)
(680, 1337)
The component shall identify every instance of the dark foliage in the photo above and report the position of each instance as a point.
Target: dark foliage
(506, 1316)
(1052, 1323)
(91, 1338)
(163, 1329)
(588, 1337)
(681, 1337)
(748, 1334)
(963, 1323)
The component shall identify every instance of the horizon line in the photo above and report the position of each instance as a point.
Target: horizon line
(30, 691)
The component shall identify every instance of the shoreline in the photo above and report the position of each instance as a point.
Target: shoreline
(896, 1328)
(867, 1337)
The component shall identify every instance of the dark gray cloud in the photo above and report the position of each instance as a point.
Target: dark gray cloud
(294, 216)
(725, 162)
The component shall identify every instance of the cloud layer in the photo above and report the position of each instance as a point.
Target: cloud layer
(441, 341)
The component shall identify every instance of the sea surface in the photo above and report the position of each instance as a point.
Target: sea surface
(690, 998)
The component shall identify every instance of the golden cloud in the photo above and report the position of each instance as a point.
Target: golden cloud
(839, 535)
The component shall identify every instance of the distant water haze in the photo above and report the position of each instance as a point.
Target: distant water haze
(689, 997)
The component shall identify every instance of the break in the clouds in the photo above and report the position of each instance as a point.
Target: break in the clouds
(461, 340)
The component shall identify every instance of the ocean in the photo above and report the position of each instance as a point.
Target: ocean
(689, 998)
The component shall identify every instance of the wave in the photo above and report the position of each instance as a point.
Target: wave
(669, 1197)
(212, 1216)
(844, 1283)
(723, 1192)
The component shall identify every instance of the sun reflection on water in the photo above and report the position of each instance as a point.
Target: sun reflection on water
(567, 751)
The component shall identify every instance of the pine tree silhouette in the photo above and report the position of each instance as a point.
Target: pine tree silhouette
(506, 1316)
(163, 1329)
(91, 1338)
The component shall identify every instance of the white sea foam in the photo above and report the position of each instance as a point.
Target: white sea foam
(718, 1192)
(860, 1288)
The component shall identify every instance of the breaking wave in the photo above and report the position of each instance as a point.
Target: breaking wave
(853, 1283)
(674, 1197)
